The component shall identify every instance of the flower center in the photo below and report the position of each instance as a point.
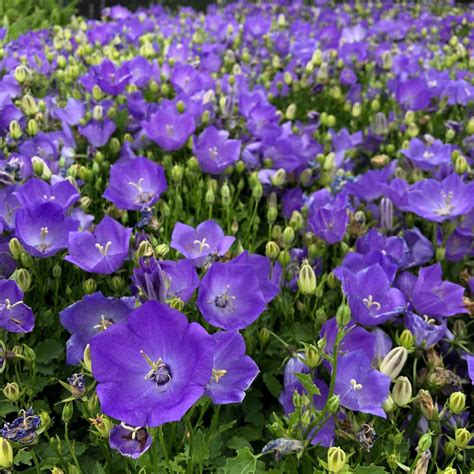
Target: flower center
(160, 372)
(369, 302)
(104, 323)
(213, 152)
(217, 374)
(9, 305)
(202, 244)
(224, 301)
(448, 206)
(104, 250)
(355, 386)
(427, 155)
(169, 130)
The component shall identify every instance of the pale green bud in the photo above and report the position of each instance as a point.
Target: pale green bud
(394, 362)
(307, 279)
(402, 391)
(336, 459)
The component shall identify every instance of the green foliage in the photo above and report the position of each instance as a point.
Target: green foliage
(21, 16)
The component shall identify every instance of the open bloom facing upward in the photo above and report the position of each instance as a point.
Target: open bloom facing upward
(215, 152)
(43, 229)
(135, 184)
(90, 316)
(101, 251)
(360, 387)
(230, 297)
(153, 368)
(232, 371)
(200, 244)
(440, 201)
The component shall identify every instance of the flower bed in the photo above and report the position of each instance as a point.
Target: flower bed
(239, 241)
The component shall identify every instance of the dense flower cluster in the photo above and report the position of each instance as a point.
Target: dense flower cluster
(270, 202)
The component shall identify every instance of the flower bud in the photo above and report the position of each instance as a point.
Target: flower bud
(67, 412)
(29, 105)
(307, 279)
(40, 168)
(296, 221)
(312, 357)
(279, 178)
(461, 165)
(462, 437)
(288, 236)
(86, 358)
(406, 339)
(389, 405)
(32, 127)
(6, 454)
(89, 286)
(264, 336)
(394, 361)
(284, 258)
(162, 250)
(424, 442)
(20, 74)
(23, 279)
(272, 214)
(210, 196)
(272, 250)
(117, 284)
(97, 93)
(402, 391)
(356, 110)
(57, 271)
(343, 315)
(176, 303)
(337, 459)
(290, 112)
(177, 173)
(450, 470)
(26, 260)
(225, 194)
(470, 126)
(16, 249)
(11, 391)
(102, 424)
(333, 403)
(457, 402)
(257, 191)
(15, 129)
(450, 447)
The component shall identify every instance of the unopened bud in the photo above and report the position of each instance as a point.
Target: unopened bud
(15, 129)
(462, 437)
(470, 126)
(117, 284)
(272, 250)
(457, 402)
(312, 357)
(343, 315)
(307, 279)
(279, 178)
(288, 236)
(461, 165)
(284, 258)
(424, 442)
(97, 93)
(23, 279)
(6, 454)
(67, 412)
(86, 358)
(16, 249)
(11, 391)
(402, 391)
(406, 339)
(290, 112)
(40, 168)
(394, 361)
(89, 286)
(333, 404)
(337, 459)
(389, 405)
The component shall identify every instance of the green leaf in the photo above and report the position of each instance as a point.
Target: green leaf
(244, 463)
(6, 408)
(200, 451)
(238, 442)
(272, 384)
(308, 384)
(23, 457)
(369, 470)
(48, 350)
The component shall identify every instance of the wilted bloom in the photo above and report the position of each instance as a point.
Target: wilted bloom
(98, 132)
(90, 316)
(77, 385)
(23, 429)
(43, 229)
(15, 316)
(129, 441)
(215, 152)
(440, 201)
(434, 297)
(232, 371)
(101, 251)
(282, 447)
(169, 129)
(202, 244)
(135, 184)
(229, 296)
(360, 387)
(153, 368)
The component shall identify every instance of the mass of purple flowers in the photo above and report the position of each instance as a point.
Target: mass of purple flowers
(240, 240)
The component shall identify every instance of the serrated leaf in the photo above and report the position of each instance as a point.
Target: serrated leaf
(272, 384)
(244, 463)
(6, 408)
(23, 457)
(308, 384)
(48, 350)
(200, 450)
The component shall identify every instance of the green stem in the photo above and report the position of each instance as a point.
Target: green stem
(69, 446)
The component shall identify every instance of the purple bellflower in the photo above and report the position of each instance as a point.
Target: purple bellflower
(101, 251)
(90, 316)
(43, 229)
(129, 441)
(202, 244)
(98, 132)
(232, 371)
(15, 316)
(135, 184)
(215, 152)
(153, 368)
